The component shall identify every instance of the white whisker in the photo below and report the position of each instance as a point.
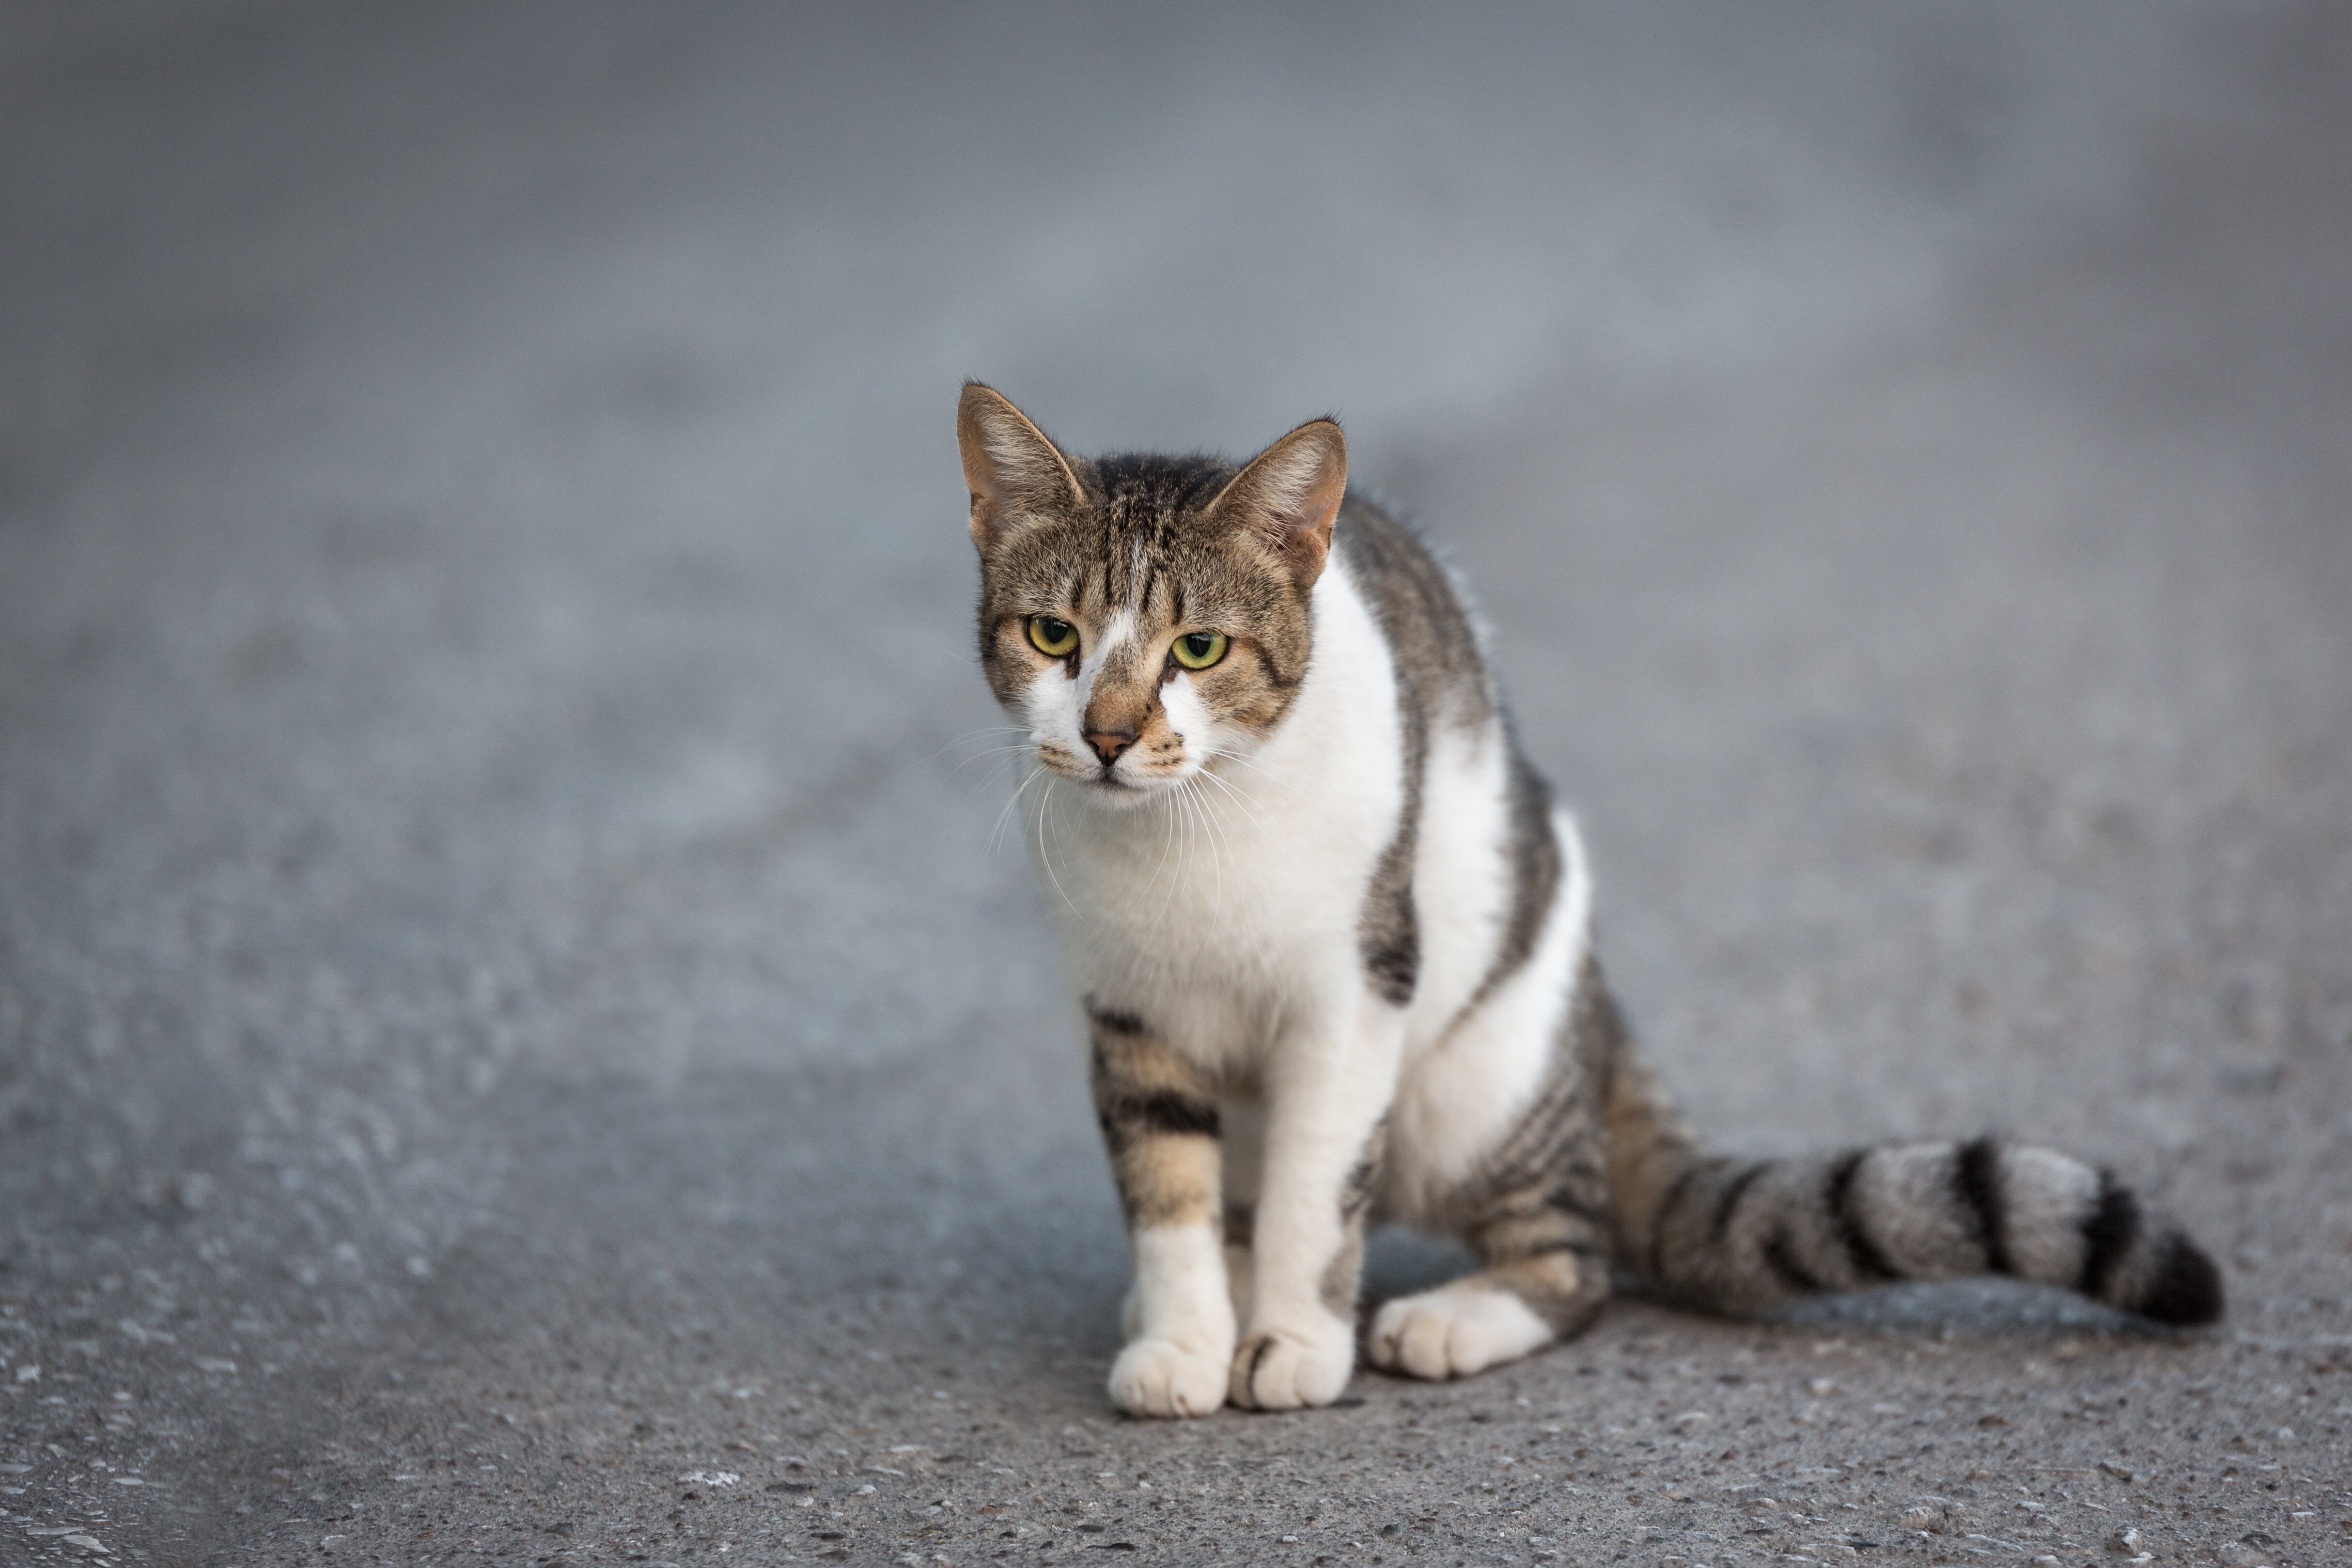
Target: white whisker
(990, 751)
(1240, 802)
(1216, 839)
(1265, 773)
(996, 834)
(1279, 844)
(1167, 844)
(1045, 851)
(968, 739)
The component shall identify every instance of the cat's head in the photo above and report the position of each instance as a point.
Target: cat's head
(1141, 615)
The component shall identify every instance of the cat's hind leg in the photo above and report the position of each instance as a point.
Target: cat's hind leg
(1538, 1217)
(1545, 1276)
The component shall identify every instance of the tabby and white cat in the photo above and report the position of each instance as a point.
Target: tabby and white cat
(1334, 942)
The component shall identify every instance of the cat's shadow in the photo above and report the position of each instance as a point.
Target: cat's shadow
(1400, 1262)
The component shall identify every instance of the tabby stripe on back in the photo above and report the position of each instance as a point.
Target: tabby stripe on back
(1536, 868)
(1439, 679)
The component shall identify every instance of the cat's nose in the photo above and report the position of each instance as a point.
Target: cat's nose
(1109, 743)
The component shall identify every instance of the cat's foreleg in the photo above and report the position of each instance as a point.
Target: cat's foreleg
(1327, 1098)
(1159, 1122)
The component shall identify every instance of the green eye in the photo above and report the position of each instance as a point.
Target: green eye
(1051, 636)
(1198, 649)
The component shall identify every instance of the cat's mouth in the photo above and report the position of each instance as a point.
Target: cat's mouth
(1120, 781)
(1114, 784)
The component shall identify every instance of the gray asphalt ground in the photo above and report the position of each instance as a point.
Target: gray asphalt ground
(515, 1042)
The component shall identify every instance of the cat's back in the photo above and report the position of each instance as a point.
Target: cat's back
(1460, 896)
(1422, 612)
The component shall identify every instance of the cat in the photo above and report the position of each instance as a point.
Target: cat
(1333, 943)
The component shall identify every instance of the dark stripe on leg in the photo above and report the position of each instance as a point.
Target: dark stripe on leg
(1791, 1269)
(1257, 1358)
(2108, 1232)
(1112, 1020)
(1976, 1182)
(1860, 1250)
(1166, 1113)
(1343, 1277)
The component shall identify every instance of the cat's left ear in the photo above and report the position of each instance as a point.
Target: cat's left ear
(1289, 495)
(1009, 466)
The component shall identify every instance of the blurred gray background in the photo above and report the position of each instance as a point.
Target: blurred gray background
(505, 997)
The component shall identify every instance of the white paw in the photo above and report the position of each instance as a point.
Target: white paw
(1159, 1377)
(1289, 1367)
(1455, 1330)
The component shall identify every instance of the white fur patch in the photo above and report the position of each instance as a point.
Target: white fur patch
(1055, 705)
(1455, 1330)
(1155, 1378)
(1180, 1287)
(1465, 1090)
(1182, 1320)
(1189, 717)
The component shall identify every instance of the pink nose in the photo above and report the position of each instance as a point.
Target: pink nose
(1109, 743)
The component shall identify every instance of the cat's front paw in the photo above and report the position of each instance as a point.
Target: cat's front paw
(1286, 1369)
(1455, 1330)
(1159, 1377)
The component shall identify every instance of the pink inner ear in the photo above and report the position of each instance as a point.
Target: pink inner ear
(1323, 501)
(1303, 504)
(1297, 483)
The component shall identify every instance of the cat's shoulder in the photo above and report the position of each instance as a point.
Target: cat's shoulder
(1422, 607)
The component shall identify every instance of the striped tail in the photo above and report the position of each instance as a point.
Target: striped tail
(1737, 1236)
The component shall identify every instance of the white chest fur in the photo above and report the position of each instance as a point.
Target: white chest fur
(1215, 908)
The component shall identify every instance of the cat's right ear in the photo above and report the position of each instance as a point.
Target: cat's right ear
(1009, 466)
